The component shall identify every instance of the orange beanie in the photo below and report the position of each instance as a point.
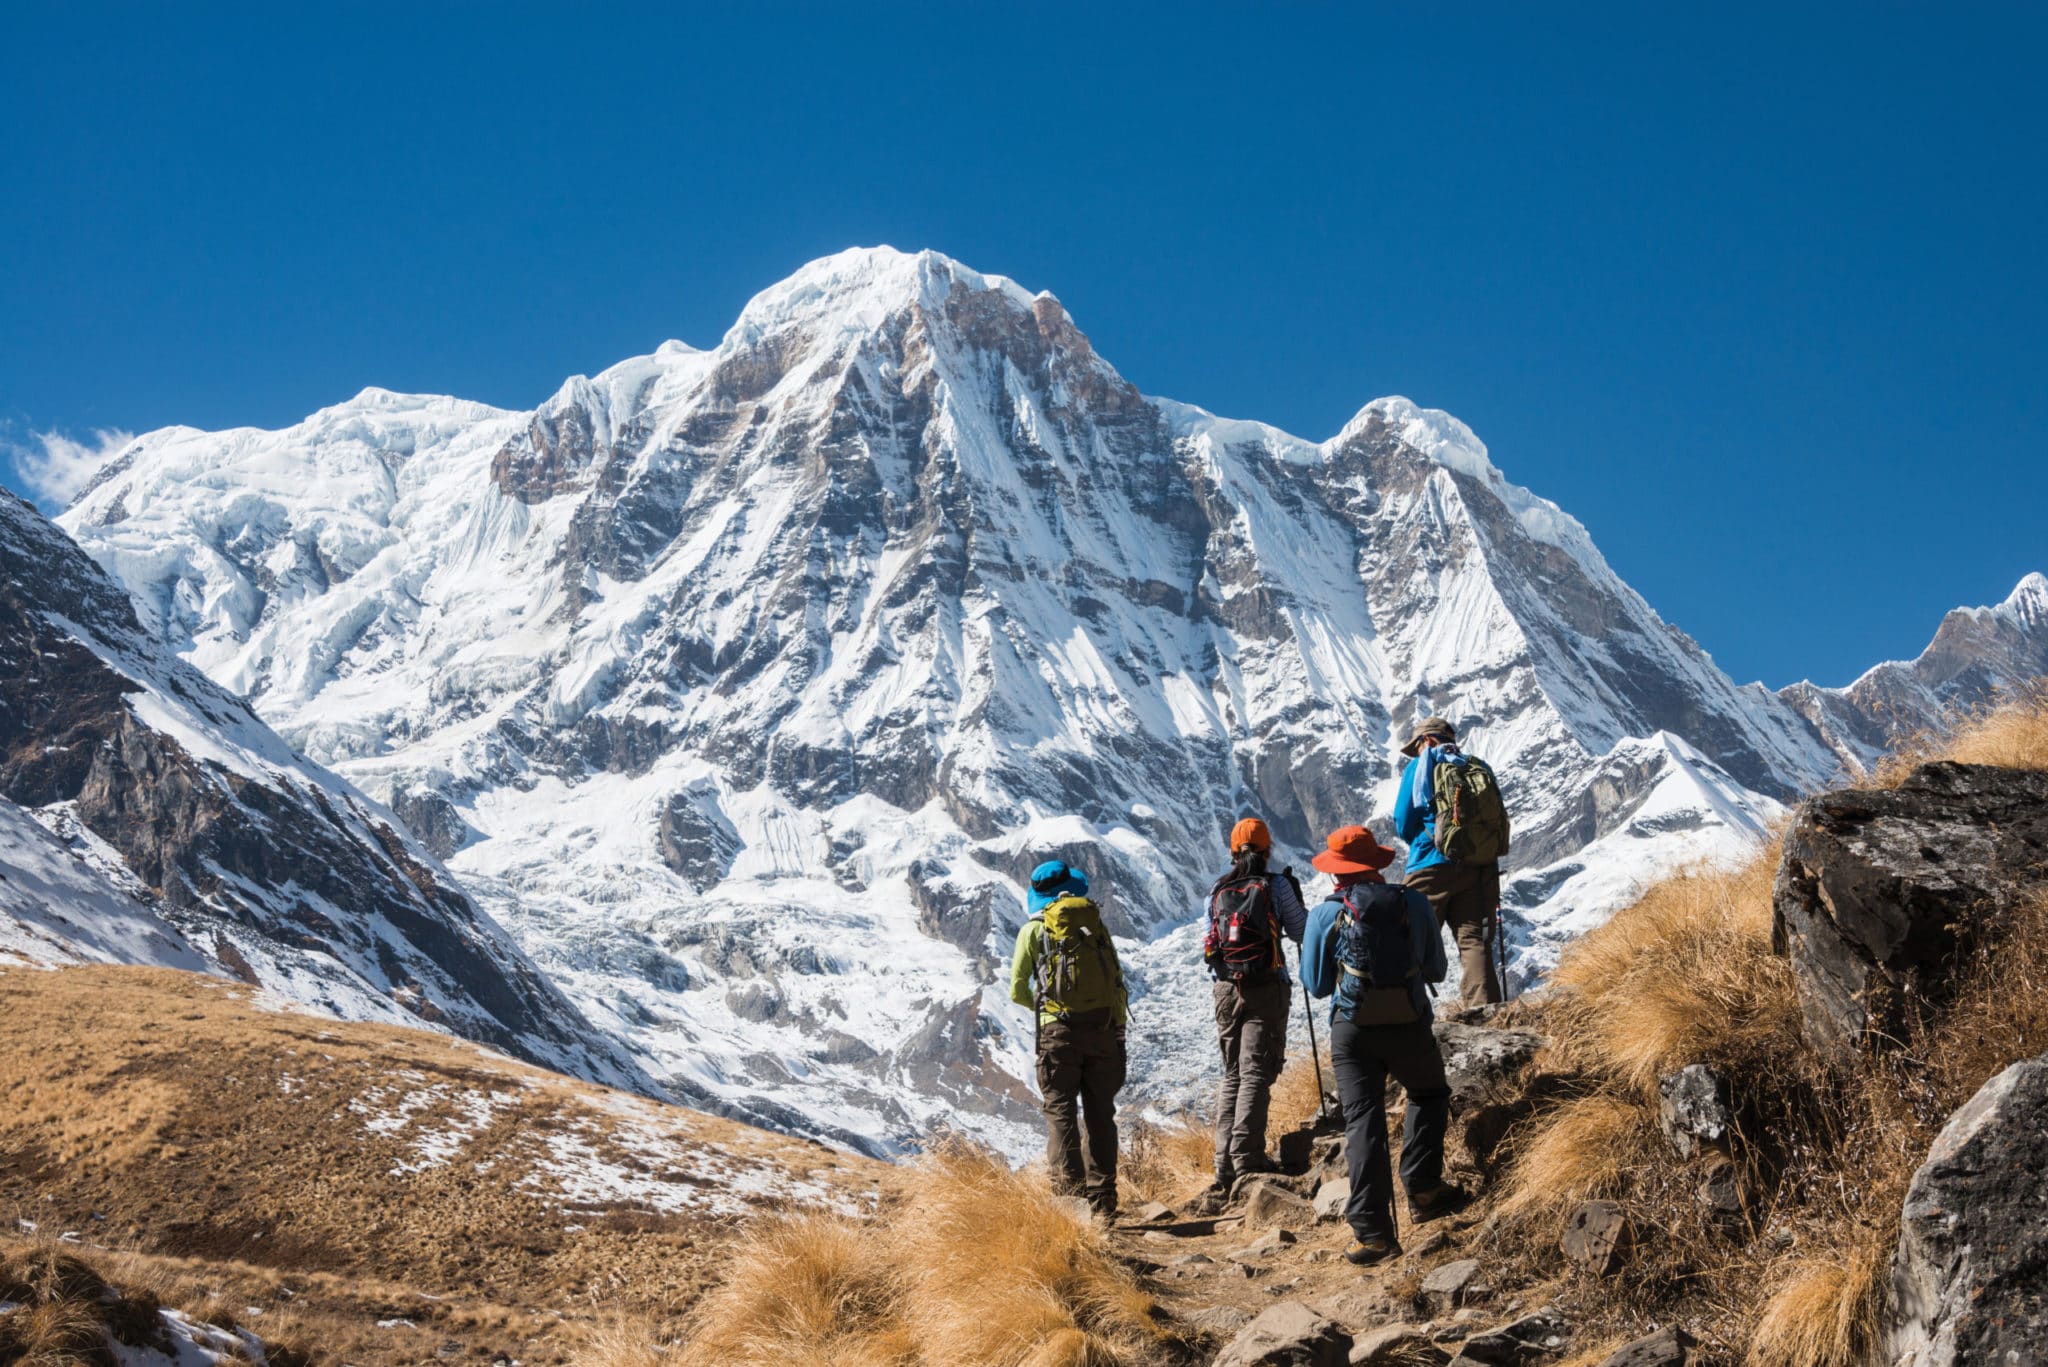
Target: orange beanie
(1250, 834)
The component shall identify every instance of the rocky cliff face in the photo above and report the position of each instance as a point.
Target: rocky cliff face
(744, 684)
(171, 826)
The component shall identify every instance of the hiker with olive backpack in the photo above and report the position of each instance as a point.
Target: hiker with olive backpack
(1066, 970)
(1449, 810)
(1252, 910)
(1375, 948)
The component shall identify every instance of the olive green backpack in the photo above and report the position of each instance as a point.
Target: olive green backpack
(1471, 818)
(1077, 967)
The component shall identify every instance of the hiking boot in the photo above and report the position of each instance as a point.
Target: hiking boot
(1440, 1200)
(1367, 1252)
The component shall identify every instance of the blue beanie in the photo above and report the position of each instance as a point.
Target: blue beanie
(1052, 880)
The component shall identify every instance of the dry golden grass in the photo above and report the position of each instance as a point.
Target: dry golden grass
(1686, 975)
(1168, 1160)
(1826, 1315)
(69, 1310)
(2011, 733)
(1295, 1096)
(1587, 1147)
(972, 1262)
(224, 1148)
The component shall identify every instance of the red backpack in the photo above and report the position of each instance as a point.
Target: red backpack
(1243, 943)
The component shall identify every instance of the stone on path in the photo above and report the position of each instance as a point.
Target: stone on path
(1269, 1205)
(1331, 1197)
(1597, 1237)
(1288, 1335)
(1405, 1344)
(1670, 1346)
(1527, 1342)
(1447, 1287)
(1262, 1248)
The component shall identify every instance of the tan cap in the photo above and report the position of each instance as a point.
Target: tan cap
(1427, 728)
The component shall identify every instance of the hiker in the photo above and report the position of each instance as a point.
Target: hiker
(1375, 946)
(1442, 787)
(1250, 909)
(1066, 970)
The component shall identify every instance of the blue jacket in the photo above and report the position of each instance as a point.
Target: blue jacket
(1321, 971)
(1415, 806)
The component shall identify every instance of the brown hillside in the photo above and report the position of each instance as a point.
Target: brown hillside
(283, 1165)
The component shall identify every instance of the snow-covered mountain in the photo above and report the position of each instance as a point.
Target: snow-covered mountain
(148, 816)
(1976, 653)
(742, 685)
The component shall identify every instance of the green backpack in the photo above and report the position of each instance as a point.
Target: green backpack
(1471, 819)
(1077, 966)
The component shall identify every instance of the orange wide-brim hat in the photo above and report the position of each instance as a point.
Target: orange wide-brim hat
(1353, 850)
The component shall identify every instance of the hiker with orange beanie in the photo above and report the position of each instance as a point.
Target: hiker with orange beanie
(1250, 910)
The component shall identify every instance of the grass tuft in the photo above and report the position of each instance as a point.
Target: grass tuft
(972, 1262)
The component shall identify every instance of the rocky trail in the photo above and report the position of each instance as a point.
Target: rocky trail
(1264, 1280)
(1868, 1192)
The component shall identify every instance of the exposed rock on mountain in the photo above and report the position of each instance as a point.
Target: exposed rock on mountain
(1976, 653)
(787, 658)
(1880, 888)
(172, 827)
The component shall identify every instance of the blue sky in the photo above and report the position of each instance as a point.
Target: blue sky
(1758, 294)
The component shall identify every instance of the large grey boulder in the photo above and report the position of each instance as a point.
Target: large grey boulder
(1879, 890)
(1288, 1335)
(1970, 1279)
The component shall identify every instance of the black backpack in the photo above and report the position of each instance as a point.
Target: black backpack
(1243, 943)
(1377, 952)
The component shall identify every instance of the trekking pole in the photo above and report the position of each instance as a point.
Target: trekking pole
(1308, 1008)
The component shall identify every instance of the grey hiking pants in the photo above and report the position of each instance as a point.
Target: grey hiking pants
(1363, 1057)
(1251, 1030)
(1080, 1070)
(1465, 899)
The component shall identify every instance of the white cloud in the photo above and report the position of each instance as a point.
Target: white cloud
(56, 467)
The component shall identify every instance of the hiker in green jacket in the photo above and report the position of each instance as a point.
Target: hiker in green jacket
(1066, 969)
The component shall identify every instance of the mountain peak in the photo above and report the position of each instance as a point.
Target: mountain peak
(2029, 598)
(861, 287)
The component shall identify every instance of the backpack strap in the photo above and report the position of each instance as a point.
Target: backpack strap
(1038, 966)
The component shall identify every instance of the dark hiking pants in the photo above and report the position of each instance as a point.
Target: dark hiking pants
(1080, 1069)
(1465, 899)
(1251, 1029)
(1364, 1056)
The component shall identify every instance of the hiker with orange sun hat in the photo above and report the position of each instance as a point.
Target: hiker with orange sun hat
(1375, 948)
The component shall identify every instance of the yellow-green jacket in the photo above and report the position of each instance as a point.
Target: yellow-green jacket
(1067, 915)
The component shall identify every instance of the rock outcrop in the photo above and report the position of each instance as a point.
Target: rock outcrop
(1880, 889)
(1970, 1279)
